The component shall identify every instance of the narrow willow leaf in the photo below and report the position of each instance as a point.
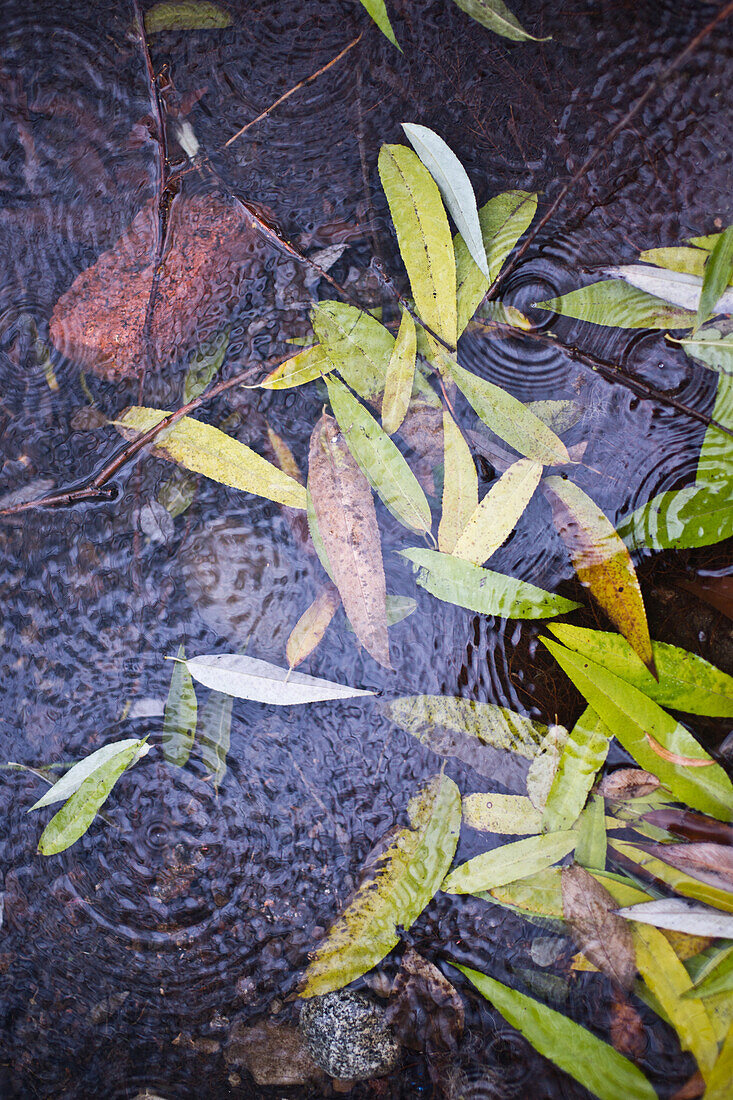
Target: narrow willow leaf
(681, 882)
(407, 876)
(497, 515)
(347, 522)
(596, 1065)
(248, 678)
(204, 365)
(718, 272)
(455, 581)
(507, 416)
(630, 715)
(707, 243)
(544, 766)
(705, 860)
(380, 460)
(671, 286)
(206, 450)
(315, 534)
(668, 980)
(75, 776)
(453, 184)
(424, 237)
(688, 261)
(712, 348)
(604, 937)
(541, 894)
(378, 11)
(503, 220)
(214, 734)
(583, 753)
(680, 519)
(185, 15)
(717, 980)
(721, 1075)
(284, 456)
(497, 17)
(682, 916)
(312, 625)
(301, 368)
(460, 485)
(357, 344)
(685, 681)
(398, 608)
(400, 376)
(618, 305)
(590, 851)
(77, 814)
(444, 724)
(179, 719)
(715, 465)
(508, 814)
(602, 562)
(509, 863)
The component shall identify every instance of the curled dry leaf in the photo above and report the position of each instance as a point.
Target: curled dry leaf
(312, 625)
(603, 936)
(627, 783)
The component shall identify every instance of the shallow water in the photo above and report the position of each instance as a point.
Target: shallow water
(125, 961)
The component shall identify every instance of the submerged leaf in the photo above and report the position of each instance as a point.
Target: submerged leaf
(603, 936)
(312, 625)
(508, 814)
(712, 348)
(590, 851)
(179, 719)
(400, 376)
(704, 860)
(214, 734)
(497, 515)
(495, 15)
(680, 519)
(583, 753)
(204, 365)
(681, 916)
(721, 1075)
(185, 15)
(679, 880)
(248, 678)
(407, 876)
(718, 272)
(460, 485)
(544, 767)
(378, 11)
(509, 863)
(688, 261)
(619, 305)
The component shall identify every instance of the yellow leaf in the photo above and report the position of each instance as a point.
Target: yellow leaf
(312, 625)
(299, 369)
(400, 376)
(460, 485)
(496, 516)
(285, 457)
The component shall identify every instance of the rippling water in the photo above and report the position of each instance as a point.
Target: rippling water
(125, 960)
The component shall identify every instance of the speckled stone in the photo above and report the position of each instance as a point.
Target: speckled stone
(348, 1037)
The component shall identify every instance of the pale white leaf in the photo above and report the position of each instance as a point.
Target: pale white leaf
(75, 776)
(679, 915)
(671, 286)
(249, 678)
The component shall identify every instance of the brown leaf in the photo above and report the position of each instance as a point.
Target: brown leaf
(312, 625)
(711, 863)
(425, 1008)
(690, 825)
(692, 1088)
(347, 519)
(603, 936)
(627, 783)
(715, 591)
(274, 1054)
(628, 1034)
(675, 758)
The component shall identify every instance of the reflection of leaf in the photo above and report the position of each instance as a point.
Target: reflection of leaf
(595, 1064)
(248, 678)
(424, 237)
(508, 814)
(460, 485)
(468, 585)
(630, 715)
(357, 344)
(312, 625)
(619, 305)
(378, 11)
(453, 184)
(206, 450)
(497, 515)
(602, 562)
(203, 365)
(509, 862)
(299, 369)
(347, 522)
(602, 936)
(179, 719)
(583, 753)
(400, 376)
(406, 878)
(495, 15)
(681, 916)
(214, 734)
(685, 681)
(185, 15)
(75, 776)
(718, 271)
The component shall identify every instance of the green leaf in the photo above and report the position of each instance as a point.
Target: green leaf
(590, 850)
(379, 460)
(185, 15)
(678, 880)
(685, 681)
(178, 492)
(400, 376)
(460, 485)
(630, 715)
(301, 368)
(688, 261)
(460, 582)
(718, 272)
(583, 754)
(315, 534)
(541, 893)
(407, 876)
(712, 348)
(77, 814)
(618, 305)
(544, 767)
(204, 365)
(378, 11)
(424, 237)
(577, 1051)
(509, 863)
(508, 814)
(214, 733)
(357, 344)
(494, 519)
(497, 17)
(179, 719)
(75, 776)
(680, 519)
(717, 980)
(206, 450)
(721, 1075)
(715, 464)
(507, 416)
(503, 220)
(454, 186)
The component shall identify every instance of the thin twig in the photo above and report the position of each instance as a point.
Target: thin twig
(295, 88)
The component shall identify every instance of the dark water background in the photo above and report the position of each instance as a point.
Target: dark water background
(200, 908)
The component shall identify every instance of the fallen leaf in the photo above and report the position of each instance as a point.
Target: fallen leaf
(460, 485)
(716, 591)
(691, 826)
(312, 625)
(711, 863)
(690, 261)
(681, 916)
(284, 456)
(400, 376)
(179, 718)
(501, 813)
(214, 734)
(675, 758)
(627, 1030)
(301, 368)
(249, 678)
(720, 1076)
(496, 16)
(717, 979)
(618, 305)
(204, 365)
(357, 344)
(185, 15)
(590, 851)
(716, 277)
(497, 515)
(378, 11)
(669, 286)
(424, 1007)
(644, 862)
(508, 863)
(347, 522)
(603, 936)
(70, 782)
(543, 768)
(628, 783)
(692, 1088)
(583, 753)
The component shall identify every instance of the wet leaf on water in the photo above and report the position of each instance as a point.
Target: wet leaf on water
(544, 767)
(185, 15)
(494, 519)
(688, 261)
(424, 237)
(357, 344)
(715, 464)
(509, 863)
(689, 825)
(179, 718)
(249, 678)
(674, 287)
(301, 368)
(205, 450)
(496, 16)
(630, 715)
(214, 734)
(681, 916)
(467, 585)
(507, 814)
(602, 562)
(681, 881)
(312, 625)
(79, 811)
(618, 305)
(378, 11)
(721, 1075)
(454, 185)
(718, 978)
(590, 851)
(380, 460)
(628, 783)
(577, 1051)
(704, 860)
(400, 376)
(680, 519)
(717, 276)
(204, 365)
(315, 533)
(603, 936)
(424, 1007)
(499, 313)
(347, 521)
(685, 681)
(583, 753)
(558, 415)
(64, 787)
(712, 348)
(460, 485)
(405, 879)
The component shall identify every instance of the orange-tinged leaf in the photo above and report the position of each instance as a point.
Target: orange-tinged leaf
(460, 485)
(285, 457)
(602, 562)
(347, 521)
(675, 758)
(312, 625)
